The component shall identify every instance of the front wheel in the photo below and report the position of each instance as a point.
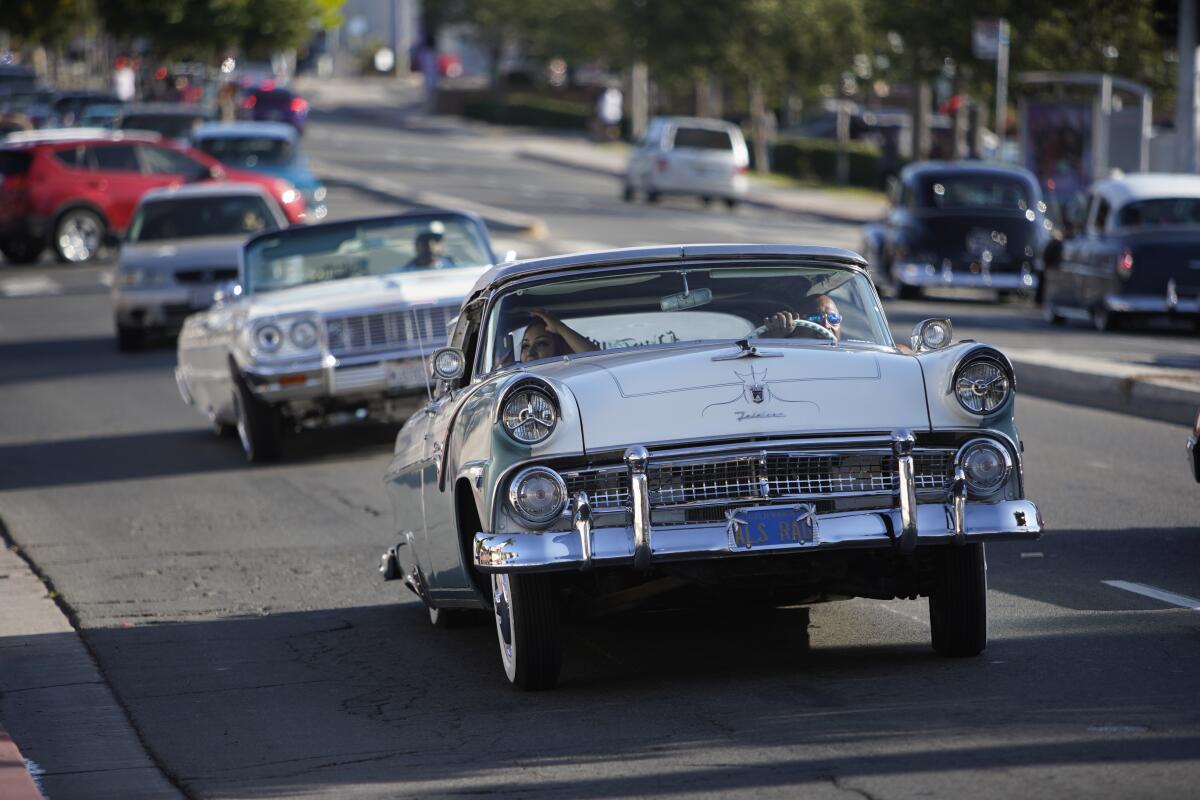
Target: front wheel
(259, 427)
(958, 602)
(1104, 320)
(528, 629)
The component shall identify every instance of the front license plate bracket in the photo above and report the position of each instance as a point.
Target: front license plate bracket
(771, 527)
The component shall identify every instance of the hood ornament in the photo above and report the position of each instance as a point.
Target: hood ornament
(746, 350)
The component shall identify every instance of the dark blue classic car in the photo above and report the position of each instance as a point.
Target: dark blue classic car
(1134, 254)
(272, 148)
(964, 224)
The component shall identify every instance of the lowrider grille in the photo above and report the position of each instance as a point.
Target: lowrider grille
(761, 477)
(389, 330)
(211, 275)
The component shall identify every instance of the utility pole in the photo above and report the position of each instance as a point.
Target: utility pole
(1002, 82)
(1185, 102)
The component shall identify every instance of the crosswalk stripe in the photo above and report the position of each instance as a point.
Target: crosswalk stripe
(30, 286)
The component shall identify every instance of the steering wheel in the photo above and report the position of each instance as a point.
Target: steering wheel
(815, 327)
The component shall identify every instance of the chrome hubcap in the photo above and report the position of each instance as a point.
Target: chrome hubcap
(79, 237)
(243, 433)
(502, 599)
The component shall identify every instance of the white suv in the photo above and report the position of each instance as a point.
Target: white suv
(706, 158)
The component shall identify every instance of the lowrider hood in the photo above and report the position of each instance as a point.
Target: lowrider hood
(402, 288)
(639, 397)
(207, 251)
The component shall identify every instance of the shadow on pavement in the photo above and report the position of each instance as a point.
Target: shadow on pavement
(140, 456)
(71, 358)
(374, 700)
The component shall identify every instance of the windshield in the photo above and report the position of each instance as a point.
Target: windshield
(172, 126)
(817, 305)
(191, 217)
(975, 191)
(1160, 212)
(248, 151)
(352, 249)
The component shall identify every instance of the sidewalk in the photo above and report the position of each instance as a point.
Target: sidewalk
(56, 706)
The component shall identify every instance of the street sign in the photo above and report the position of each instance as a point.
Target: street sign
(988, 36)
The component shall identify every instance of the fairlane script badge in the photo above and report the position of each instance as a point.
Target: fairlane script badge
(756, 390)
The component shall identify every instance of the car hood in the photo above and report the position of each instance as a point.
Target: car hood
(207, 251)
(681, 394)
(426, 287)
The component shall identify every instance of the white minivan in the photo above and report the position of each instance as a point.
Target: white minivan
(705, 158)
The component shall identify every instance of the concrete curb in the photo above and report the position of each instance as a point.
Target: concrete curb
(749, 200)
(1126, 394)
(16, 782)
(497, 218)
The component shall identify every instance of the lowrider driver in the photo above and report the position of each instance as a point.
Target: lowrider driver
(819, 309)
(430, 252)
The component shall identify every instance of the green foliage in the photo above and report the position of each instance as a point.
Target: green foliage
(203, 28)
(531, 110)
(816, 160)
(44, 22)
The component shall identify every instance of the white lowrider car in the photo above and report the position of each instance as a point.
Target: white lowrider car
(724, 421)
(330, 323)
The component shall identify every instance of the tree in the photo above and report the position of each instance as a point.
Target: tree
(44, 22)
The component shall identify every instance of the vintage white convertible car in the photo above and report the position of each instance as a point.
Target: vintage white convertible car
(707, 423)
(329, 323)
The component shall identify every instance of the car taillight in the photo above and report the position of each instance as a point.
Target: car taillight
(249, 102)
(299, 104)
(14, 183)
(1125, 263)
(662, 164)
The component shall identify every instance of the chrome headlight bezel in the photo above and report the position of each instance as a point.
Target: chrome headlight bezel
(285, 337)
(304, 334)
(268, 338)
(979, 489)
(514, 497)
(977, 396)
(538, 419)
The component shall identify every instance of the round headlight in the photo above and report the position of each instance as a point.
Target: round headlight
(537, 495)
(986, 466)
(982, 386)
(268, 338)
(529, 415)
(304, 334)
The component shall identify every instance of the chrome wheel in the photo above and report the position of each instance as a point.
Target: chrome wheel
(243, 429)
(78, 235)
(502, 600)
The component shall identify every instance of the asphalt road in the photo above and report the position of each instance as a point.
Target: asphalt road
(238, 615)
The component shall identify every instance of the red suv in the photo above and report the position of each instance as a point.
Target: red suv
(71, 189)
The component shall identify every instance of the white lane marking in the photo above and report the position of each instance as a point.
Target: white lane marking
(29, 286)
(1033, 554)
(1183, 601)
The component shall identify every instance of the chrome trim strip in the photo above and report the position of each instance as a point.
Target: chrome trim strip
(512, 494)
(583, 526)
(983, 440)
(639, 497)
(958, 503)
(560, 550)
(902, 445)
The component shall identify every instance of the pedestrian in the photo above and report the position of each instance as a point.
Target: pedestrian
(124, 80)
(609, 108)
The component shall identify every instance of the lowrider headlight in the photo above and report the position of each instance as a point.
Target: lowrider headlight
(304, 334)
(537, 495)
(986, 466)
(982, 384)
(268, 338)
(529, 415)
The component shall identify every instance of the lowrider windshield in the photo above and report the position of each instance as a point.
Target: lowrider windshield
(570, 316)
(951, 190)
(336, 250)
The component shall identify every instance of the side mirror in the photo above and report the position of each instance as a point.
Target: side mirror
(931, 334)
(226, 291)
(448, 363)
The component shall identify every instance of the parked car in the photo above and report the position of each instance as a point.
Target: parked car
(730, 422)
(705, 158)
(272, 148)
(268, 102)
(17, 78)
(1135, 255)
(182, 245)
(69, 188)
(964, 224)
(66, 106)
(330, 324)
(100, 115)
(1194, 449)
(34, 104)
(174, 121)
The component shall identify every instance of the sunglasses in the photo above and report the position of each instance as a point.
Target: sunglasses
(826, 316)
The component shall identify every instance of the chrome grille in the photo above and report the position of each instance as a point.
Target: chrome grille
(389, 330)
(764, 476)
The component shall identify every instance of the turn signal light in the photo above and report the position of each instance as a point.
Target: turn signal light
(291, 380)
(298, 105)
(1125, 263)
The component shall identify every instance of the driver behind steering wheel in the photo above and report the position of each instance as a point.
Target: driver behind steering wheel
(819, 309)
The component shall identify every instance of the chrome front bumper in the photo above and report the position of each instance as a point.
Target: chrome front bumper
(1169, 303)
(935, 524)
(904, 527)
(399, 373)
(930, 276)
